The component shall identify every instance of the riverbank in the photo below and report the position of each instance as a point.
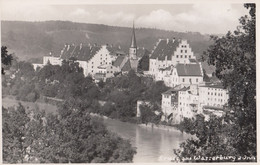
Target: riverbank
(9, 101)
(159, 126)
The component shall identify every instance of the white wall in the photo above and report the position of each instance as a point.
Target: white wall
(52, 60)
(100, 58)
(183, 53)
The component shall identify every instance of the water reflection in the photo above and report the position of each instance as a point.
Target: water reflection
(151, 143)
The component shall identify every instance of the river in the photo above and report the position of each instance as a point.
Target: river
(153, 145)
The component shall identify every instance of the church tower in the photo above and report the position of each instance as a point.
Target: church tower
(133, 47)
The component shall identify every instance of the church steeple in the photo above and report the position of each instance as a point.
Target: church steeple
(133, 47)
(133, 40)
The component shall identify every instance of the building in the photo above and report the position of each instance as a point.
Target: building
(185, 101)
(185, 74)
(212, 99)
(169, 52)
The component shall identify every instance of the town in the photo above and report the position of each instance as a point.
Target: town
(171, 61)
(128, 83)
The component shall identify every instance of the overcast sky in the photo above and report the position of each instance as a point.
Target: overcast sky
(210, 18)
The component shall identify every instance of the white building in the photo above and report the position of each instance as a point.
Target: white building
(169, 52)
(185, 101)
(185, 74)
(213, 97)
(105, 71)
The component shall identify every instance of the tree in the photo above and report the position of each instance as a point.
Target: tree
(143, 64)
(72, 136)
(234, 56)
(235, 59)
(14, 131)
(6, 58)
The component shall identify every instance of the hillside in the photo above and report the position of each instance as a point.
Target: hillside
(32, 40)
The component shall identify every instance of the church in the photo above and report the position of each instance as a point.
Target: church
(99, 61)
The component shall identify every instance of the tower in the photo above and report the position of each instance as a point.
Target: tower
(133, 47)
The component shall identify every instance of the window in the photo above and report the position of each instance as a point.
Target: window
(189, 56)
(100, 62)
(197, 80)
(183, 80)
(208, 93)
(92, 62)
(107, 71)
(92, 66)
(181, 51)
(177, 56)
(181, 56)
(185, 56)
(92, 71)
(185, 51)
(190, 79)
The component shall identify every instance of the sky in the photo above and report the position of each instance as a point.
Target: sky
(207, 18)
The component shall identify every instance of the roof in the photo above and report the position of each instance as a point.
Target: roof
(141, 52)
(213, 86)
(127, 66)
(176, 89)
(85, 52)
(165, 48)
(212, 107)
(80, 52)
(119, 61)
(189, 70)
(133, 40)
(115, 50)
(192, 60)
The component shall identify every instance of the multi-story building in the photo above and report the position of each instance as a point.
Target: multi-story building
(169, 52)
(189, 100)
(181, 74)
(212, 96)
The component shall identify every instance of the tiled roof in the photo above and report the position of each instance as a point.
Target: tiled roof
(118, 61)
(141, 52)
(82, 53)
(115, 50)
(188, 70)
(176, 89)
(127, 66)
(192, 60)
(214, 86)
(165, 48)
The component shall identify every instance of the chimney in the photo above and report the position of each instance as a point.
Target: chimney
(80, 46)
(167, 40)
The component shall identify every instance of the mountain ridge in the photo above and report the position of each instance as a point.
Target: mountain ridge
(32, 40)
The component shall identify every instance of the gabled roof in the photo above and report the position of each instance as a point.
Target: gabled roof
(165, 47)
(82, 53)
(133, 40)
(127, 66)
(141, 52)
(213, 86)
(119, 61)
(192, 60)
(176, 89)
(188, 70)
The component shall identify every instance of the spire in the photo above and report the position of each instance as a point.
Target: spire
(133, 40)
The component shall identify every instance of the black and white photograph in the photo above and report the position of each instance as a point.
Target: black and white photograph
(100, 81)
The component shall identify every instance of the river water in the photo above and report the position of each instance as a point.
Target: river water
(153, 145)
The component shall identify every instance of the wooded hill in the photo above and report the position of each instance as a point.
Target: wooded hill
(32, 40)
